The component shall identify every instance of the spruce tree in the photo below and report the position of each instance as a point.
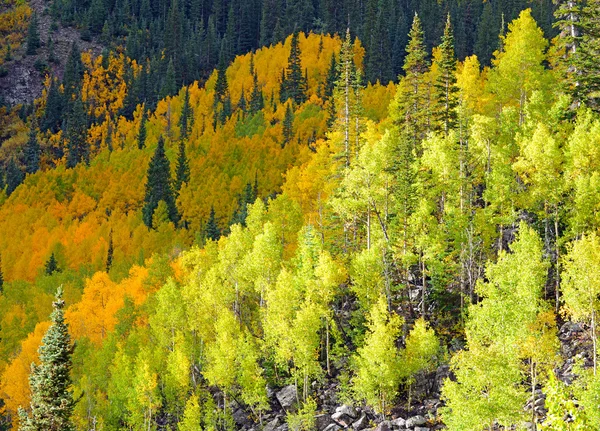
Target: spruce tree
(32, 151)
(14, 176)
(141, 137)
(212, 231)
(288, 125)
(257, 102)
(33, 36)
(221, 86)
(77, 146)
(169, 85)
(242, 104)
(110, 252)
(294, 84)
(409, 108)
(1, 277)
(331, 79)
(445, 89)
(73, 72)
(186, 115)
(158, 186)
(51, 265)
(53, 113)
(182, 174)
(52, 401)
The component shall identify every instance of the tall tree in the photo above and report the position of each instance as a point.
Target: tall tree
(14, 176)
(186, 115)
(51, 265)
(409, 110)
(158, 186)
(110, 252)
(77, 146)
(141, 136)
(73, 72)
(288, 125)
(257, 101)
(294, 85)
(182, 173)
(445, 98)
(211, 230)
(53, 113)
(33, 36)
(1, 277)
(52, 400)
(32, 151)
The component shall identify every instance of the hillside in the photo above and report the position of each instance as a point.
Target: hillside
(284, 243)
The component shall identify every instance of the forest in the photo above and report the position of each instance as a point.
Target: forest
(301, 215)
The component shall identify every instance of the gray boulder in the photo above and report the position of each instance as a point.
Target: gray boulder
(415, 421)
(398, 423)
(287, 397)
(271, 426)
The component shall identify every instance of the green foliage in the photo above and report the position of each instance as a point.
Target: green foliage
(304, 419)
(50, 382)
(294, 84)
(33, 36)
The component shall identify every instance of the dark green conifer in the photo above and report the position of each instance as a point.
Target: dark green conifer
(141, 136)
(445, 89)
(257, 101)
(221, 86)
(53, 114)
(14, 176)
(186, 115)
(51, 265)
(211, 230)
(77, 146)
(169, 86)
(33, 36)
(50, 382)
(110, 252)
(32, 151)
(288, 125)
(294, 84)
(158, 186)
(73, 71)
(1, 277)
(183, 167)
(242, 105)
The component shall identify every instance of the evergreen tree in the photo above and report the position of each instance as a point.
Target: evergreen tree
(158, 186)
(1, 277)
(257, 102)
(14, 176)
(242, 104)
(211, 230)
(288, 125)
(110, 252)
(169, 85)
(53, 113)
(108, 141)
(77, 146)
(141, 137)
(33, 36)
(409, 108)
(32, 151)
(50, 382)
(186, 115)
(331, 79)
(294, 84)
(445, 90)
(221, 86)
(73, 72)
(182, 174)
(51, 265)
(247, 197)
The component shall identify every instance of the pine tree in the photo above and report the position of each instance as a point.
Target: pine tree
(331, 79)
(14, 176)
(158, 186)
(53, 113)
(242, 104)
(409, 108)
(294, 84)
(288, 125)
(50, 382)
(77, 146)
(211, 230)
(32, 151)
(110, 252)
(51, 265)
(257, 101)
(182, 173)
(33, 36)
(186, 115)
(1, 277)
(445, 89)
(141, 137)
(73, 72)
(221, 86)
(169, 85)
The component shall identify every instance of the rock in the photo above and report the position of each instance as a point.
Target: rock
(271, 426)
(283, 427)
(322, 422)
(333, 427)
(421, 429)
(241, 418)
(383, 426)
(287, 396)
(398, 423)
(361, 423)
(348, 410)
(414, 421)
